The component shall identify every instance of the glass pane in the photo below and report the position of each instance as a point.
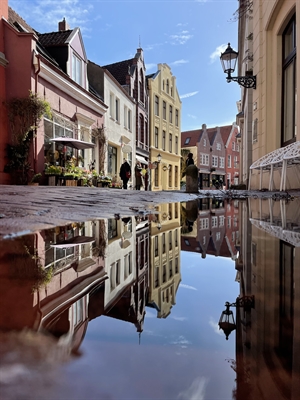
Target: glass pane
(289, 102)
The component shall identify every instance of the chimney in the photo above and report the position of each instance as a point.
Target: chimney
(63, 25)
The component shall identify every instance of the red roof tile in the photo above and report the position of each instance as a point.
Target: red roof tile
(193, 135)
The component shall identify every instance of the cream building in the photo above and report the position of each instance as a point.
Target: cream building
(268, 115)
(165, 131)
(164, 274)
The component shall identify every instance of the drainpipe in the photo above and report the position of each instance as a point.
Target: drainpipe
(37, 67)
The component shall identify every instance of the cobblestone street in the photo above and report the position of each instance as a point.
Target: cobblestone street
(25, 209)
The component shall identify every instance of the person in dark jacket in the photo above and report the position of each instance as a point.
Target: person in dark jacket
(125, 173)
(138, 176)
(189, 160)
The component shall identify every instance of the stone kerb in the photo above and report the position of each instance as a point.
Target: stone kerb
(192, 179)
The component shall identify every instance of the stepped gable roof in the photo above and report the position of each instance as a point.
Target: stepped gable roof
(225, 132)
(18, 22)
(194, 138)
(120, 70)
(54, 38)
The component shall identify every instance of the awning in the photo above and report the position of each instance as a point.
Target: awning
(76, 241)
(74, 143)
(142, 160)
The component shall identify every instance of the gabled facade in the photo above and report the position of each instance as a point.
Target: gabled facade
(119, 121)
(53, 66)
(232, 154)
(204, 159)
(217, 161)
(165, 131)
(131, 76)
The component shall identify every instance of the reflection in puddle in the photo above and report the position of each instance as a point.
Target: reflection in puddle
(98, 289)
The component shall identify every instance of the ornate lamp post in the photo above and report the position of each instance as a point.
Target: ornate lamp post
(228, 61)
(226, 321)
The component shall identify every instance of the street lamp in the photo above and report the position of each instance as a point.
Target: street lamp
(158, 158)
(228, 61)
(226, 321)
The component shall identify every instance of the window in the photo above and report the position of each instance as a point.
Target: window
(112, 160)
(229, 161)
(156, 137)
(164, 140)
(156, 277)
(125, 117)
(204, 159)
(204, 223)
(111, 105)
(170, 175)
(204, 240)
(141, 84)
(204, 142)
(170, 269)
(233, 146)
(76, 69)
(218, 236)
(254, 130)
(176, 117)
(214, 222)
(163, 243)
(176, 233)
(170, 240)
(163, 85)
(218, 146)
(117, 110)
(235, 162)
(156, 105)
(176, 176)
(222, 162)
(289, 102)
(129, 120)
(156, 246)
(214, 161)
(171, 114)
(221, 220)
(187, 140)
(170, 142)
(176, 144)
(176, 266)
(164, 110)
(156, 177)
(167, 85)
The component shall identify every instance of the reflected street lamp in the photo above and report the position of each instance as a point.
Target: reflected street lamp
(228, 61)
(226, 321)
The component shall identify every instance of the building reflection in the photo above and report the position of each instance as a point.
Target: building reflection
(165, 259)
(268, 336)
(214, 230)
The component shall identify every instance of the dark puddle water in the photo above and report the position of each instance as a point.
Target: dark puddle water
(129, 308)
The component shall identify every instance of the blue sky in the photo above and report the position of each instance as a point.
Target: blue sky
(188, 35)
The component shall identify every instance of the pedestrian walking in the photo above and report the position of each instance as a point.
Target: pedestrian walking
(189, 160)
(125, 173)
(138, 176)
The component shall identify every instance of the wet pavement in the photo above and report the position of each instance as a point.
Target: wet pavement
(25, 209)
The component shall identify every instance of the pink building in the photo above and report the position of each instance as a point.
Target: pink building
(53, 66)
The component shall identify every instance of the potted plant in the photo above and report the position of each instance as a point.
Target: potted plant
(53, 172)
(35, 180)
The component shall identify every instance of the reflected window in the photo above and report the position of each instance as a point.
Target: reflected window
(170, 240)
(176, 265)
(112, 228)
(286, 306)
(164, 273)
(170, 269)
(156, 246)
(163, 243)
(156, 277)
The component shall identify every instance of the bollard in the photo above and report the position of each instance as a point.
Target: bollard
(192, 179)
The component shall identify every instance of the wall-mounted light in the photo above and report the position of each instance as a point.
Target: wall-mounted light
(228, 61)
(226, 321)
(158, 158)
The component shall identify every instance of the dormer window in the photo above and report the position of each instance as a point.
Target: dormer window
(76, 69)
(187, 140)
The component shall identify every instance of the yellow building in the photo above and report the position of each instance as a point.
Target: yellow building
(164, 272)
(165, 131)
(268, 114)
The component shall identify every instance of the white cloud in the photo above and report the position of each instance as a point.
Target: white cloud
(187, 286)
(182, 341)
(215, 326)
(184, 96)
(192, 116)
(196, 391)
(180, 38)
(179, 62)
(216, 54)
(179, 318)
